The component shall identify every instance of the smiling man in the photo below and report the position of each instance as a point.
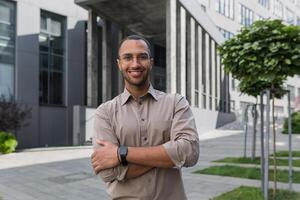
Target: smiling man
(143, 137)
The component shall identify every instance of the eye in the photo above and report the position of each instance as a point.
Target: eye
(127, 58)
(143, 57)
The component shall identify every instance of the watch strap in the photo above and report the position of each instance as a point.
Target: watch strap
(123, 151)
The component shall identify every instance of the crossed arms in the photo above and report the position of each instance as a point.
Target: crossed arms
(181, 150)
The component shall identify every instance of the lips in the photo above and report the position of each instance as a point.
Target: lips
(136, 73)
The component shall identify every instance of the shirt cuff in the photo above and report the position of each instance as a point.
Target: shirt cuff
(171, 148)
(117, 173)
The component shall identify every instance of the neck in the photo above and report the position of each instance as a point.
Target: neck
(137, 91)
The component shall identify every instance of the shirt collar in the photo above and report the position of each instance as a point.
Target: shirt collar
(126, 94)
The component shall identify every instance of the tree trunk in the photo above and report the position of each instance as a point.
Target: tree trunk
(254, 114)
(274, 150)
(246, 130)
(262, 157)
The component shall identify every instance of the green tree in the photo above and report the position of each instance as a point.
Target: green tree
(261, 57)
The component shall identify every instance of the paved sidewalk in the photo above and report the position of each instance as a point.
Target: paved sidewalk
(66, 173)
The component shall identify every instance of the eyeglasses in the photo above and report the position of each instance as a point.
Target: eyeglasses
(128, 58)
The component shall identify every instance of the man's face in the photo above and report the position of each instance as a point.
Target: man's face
(134, 62)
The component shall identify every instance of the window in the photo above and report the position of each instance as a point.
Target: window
(158, 76)
(247, 16)
(278, 9)
(226, 34)
(7, 47)
(264, 3)
(225, 7)
(203, 7)
(297, 100)
(52, 59)
(290, 17)
(232, 84)
(232, 106)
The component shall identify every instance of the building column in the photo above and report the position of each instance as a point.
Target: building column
(183, 50)
(218, 82)
(213, 75)
(227, 94)
(92, 65)
(171, 45)
(207, 62)
(200, 60)
(106, 61)
(192, 61)
(178, 49)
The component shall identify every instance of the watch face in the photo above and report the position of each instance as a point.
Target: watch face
(123, 150)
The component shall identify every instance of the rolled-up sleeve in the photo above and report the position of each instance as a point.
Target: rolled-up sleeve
(103, 130)
(183, 147)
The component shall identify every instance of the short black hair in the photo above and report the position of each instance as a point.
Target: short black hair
(136, 37)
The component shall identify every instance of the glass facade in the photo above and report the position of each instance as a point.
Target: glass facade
(264, 3)
(247, 16)
(7, 47)
(225, 7)
(52, 59)
(226, 34)
(158, 75)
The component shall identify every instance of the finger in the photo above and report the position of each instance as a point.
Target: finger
(95, 165)
(94, 159)
(93, 155)
(97, 169)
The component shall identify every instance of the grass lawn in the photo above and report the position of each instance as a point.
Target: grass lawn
(242, 160)
(252, 193)
(286, 153)
(247, 172)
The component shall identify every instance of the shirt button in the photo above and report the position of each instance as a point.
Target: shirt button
(143, 119)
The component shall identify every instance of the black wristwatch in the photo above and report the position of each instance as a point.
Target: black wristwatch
(123, 150)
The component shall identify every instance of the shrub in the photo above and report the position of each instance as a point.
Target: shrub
(13, 115)
(8, 142)
(295, 123)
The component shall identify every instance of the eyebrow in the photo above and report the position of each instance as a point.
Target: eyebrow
(130, 54)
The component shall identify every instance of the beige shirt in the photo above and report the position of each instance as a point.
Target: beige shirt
(155, 119)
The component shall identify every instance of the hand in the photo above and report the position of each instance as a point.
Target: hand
(105, 157)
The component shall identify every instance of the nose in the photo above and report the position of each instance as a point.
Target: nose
(135, 62)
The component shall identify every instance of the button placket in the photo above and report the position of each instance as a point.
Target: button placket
(143, 121)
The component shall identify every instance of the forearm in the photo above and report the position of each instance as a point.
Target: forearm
(136, 170)
(149, 156)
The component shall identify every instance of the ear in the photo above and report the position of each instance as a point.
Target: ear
(151, 62)
(119, 64)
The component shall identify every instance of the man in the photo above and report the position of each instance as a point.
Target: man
(143, 136)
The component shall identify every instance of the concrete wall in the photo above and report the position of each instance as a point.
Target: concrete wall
(49, 125)
(207, 120)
